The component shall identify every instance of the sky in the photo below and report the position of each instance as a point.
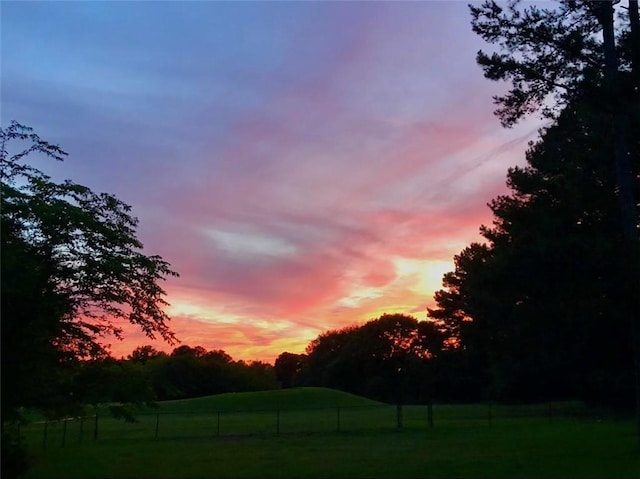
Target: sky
(303, 166)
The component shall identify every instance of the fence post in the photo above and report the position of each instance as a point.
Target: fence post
(81, 428)
(218, 426)
(278, 421)
(44, 435)
(338, 418)
(490, 413)
(64, 431)
(430, 414)
(95, 427)
(157, 423)
(550, 412)
(399, 415)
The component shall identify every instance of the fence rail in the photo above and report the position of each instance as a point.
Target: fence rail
(285, 421)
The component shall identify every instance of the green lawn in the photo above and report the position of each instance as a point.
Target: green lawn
(296, 398)
(306, 443)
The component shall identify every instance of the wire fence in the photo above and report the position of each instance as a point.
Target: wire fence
(176, 425)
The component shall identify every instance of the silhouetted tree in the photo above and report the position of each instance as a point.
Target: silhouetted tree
(553, 51)
(389, 358)
(254, 376)
(142, 354)
(188, 351)
(538, 305)
(120, 383)
(193, 372)
(287, 366)
(71, 265)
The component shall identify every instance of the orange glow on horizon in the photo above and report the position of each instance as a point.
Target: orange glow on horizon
(198, 321)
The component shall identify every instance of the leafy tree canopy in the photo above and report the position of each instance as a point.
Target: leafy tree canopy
(388, 358)
(287, 366)
(546, 51)
(544, 303)
(72, 267)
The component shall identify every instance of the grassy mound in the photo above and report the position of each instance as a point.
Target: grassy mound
(286, 399)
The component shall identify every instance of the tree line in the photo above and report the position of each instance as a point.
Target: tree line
(148, 375)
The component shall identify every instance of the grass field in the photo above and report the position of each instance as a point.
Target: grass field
(466, 441)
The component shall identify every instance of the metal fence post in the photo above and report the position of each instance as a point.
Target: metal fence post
(430, 414)
(44, 435)
(95, 427)
(64, 431)
(218, 426)
(81, 428)
(278, 421)
(157, 423)
(490, 413)
(399, 416)
(338, 418)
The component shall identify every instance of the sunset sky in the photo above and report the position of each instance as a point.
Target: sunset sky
(302, 165)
